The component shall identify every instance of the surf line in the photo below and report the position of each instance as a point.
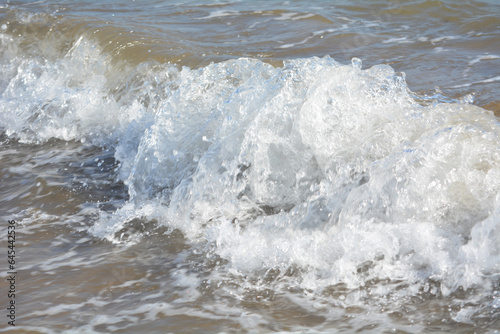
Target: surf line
(11, 273)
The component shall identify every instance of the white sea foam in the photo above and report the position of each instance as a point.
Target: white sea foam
(483, 57)
(494, 79)
(326, 167)
(218, 14)
(294, 16)
(66, 99)
(331, 170)
(440, 49)
(398, 40)
(443, 38)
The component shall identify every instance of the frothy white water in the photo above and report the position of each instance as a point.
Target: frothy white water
(326, 168)
(68, 98)
(323, 173)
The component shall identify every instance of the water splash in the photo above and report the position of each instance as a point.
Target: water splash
(314, 176)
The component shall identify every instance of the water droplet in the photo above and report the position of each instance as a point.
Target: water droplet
(356, 63)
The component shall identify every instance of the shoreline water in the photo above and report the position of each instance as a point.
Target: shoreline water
(252, 167)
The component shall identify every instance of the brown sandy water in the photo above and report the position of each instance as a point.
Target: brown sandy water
(140, 208)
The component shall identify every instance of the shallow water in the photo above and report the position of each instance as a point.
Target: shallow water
(252, 166)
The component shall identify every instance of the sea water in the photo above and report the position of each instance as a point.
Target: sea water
(264, 166)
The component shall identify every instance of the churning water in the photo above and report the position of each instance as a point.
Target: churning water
(264, 166)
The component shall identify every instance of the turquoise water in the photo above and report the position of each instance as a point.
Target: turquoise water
(253, 166)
